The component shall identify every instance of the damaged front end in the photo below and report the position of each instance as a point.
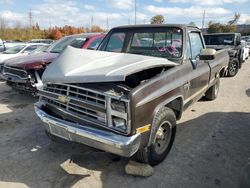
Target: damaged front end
(21, 79)
(97, 115)
(89, 99)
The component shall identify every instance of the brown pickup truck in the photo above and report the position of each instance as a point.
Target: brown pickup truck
(126, 97)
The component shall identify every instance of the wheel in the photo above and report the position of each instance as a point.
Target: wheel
(213, 91)
(163, 134)
(233, 68)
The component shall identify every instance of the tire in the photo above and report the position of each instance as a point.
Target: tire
(233, 68)
(212, 92)
(163, 134)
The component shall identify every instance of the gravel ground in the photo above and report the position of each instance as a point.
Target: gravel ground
(211, 147)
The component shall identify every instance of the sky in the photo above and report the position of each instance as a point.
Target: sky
(111, 13)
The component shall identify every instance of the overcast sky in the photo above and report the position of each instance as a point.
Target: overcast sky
(120, 12)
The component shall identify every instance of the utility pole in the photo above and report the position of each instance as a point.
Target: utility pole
(49, 24)
(91, 23)
(135, 12)
(203, 19)
(107, 23)
(30, 16)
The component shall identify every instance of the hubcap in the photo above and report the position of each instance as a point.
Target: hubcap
(163, 137)
(232, 68)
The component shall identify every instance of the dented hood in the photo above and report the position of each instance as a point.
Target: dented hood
(85, 66)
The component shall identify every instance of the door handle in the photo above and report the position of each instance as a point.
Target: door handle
(187, 85)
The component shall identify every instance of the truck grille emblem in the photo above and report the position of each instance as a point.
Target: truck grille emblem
(63, 99)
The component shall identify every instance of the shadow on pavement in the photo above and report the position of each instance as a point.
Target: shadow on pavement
(248, 92)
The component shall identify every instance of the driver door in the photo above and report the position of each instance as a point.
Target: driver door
(201, 70)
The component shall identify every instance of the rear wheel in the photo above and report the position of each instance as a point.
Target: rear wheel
(163, 134)
(233, 68)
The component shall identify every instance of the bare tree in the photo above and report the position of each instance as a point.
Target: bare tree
(235, 19)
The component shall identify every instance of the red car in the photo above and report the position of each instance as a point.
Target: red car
(24, 73)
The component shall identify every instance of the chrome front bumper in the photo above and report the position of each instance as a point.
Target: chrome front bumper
(100, 139)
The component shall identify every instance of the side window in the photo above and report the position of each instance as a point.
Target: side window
(95, 43)
(188, 52)
(78, 42)
(115, 42)
(196, 44)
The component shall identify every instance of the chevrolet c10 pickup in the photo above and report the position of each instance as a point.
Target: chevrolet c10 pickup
(125, 98)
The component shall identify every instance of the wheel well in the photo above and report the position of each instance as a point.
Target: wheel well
(176, 105)
(222, 72)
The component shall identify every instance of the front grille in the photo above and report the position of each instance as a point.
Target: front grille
(15, 72)
(83, 103)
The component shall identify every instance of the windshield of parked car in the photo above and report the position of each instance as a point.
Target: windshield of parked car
(14, 50)
(40, 49)
(157, 42)
(60, 45)
(219, 39)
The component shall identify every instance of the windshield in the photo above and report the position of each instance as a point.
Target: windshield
(14, 50)
(39, 49)
(157, 42)
(60, 45)
(219, 39)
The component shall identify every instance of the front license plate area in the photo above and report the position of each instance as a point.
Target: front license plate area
(59, 131)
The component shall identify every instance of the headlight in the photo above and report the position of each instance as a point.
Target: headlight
(117, 105)
(119, 123)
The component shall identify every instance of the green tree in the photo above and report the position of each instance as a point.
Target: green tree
(158, 19)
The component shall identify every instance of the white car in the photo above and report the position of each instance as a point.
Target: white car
(19, 50)
(245, 49)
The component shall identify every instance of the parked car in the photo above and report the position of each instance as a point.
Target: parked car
(229, 41)
(10, 44)
(245, 50)
(19, 50)
(25, 73)
(126, 97)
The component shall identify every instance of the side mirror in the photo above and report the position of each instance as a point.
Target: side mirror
(207, 54)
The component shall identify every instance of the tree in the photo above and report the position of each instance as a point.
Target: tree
(158, 19)
(216, 27)
(220, 28)
(56, 34)
(235, 19)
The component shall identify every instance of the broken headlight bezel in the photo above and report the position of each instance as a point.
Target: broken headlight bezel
(119, 114)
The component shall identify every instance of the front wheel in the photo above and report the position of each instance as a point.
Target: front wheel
(163, 134)
(233, 68)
